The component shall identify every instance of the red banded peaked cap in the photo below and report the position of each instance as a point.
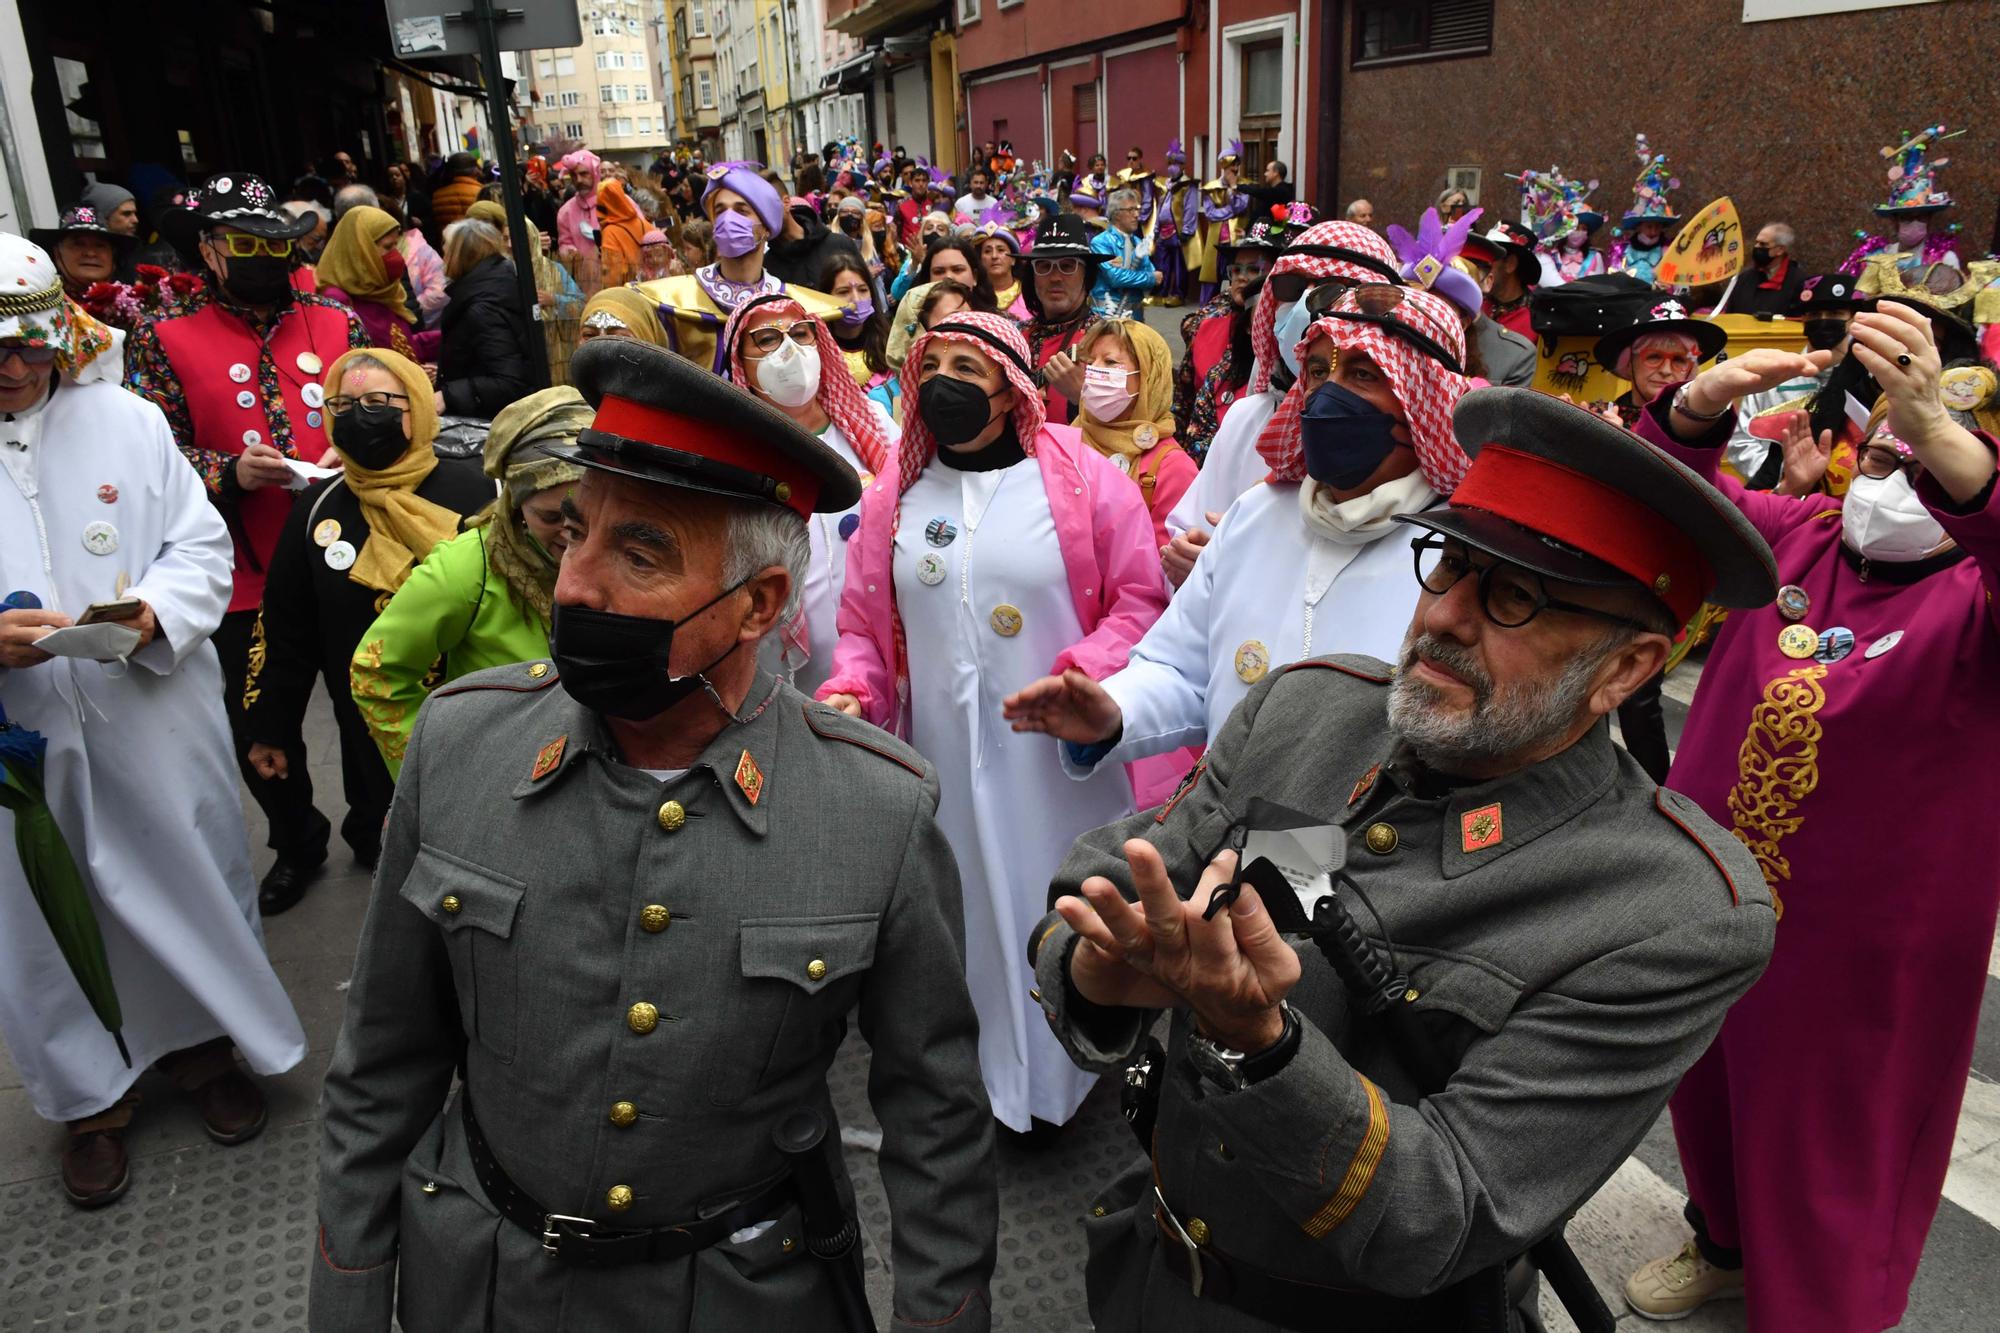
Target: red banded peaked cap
(663, 419)
(1559, 490)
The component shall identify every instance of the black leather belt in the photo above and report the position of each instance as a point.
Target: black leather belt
(588, 1244)
(1289, 1303)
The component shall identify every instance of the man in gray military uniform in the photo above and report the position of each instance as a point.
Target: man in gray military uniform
(1561, 937)
(631, 898)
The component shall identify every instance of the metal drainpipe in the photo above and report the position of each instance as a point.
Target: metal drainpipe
(1332, 40)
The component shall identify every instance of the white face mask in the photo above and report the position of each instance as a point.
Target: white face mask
(1882, 519)
(789, 376)
(1293, 321)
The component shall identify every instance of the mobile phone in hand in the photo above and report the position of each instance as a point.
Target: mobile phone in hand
(99, 612)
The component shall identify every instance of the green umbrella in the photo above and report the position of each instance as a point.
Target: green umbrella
(52, 874)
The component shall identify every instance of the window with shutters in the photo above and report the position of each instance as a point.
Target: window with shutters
(1388, 32)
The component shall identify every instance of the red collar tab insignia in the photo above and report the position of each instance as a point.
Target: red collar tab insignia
(1364, 786)
(108, 493)
(749, 778)
(549, 759)
(1480, 829)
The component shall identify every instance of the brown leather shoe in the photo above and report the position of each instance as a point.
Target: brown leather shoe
(95, 1169)
(231, 1106)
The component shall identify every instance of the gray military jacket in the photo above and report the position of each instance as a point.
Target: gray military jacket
(637, 979)
(1573, 935)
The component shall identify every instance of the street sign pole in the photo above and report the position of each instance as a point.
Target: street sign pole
(501, 126)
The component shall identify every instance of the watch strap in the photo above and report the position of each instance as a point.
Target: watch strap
(1255, 1068)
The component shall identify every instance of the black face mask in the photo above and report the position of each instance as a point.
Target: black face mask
(259, 280)
(617, 665)
(851, 223)
(1346, 437)
(371, 437)
(1823, 335)
(955, 410)
(1760, 255)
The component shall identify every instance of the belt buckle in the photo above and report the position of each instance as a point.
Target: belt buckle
(552, 1236)
(1187, 1242)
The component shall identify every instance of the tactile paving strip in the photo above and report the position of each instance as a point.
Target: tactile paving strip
(215, 1240)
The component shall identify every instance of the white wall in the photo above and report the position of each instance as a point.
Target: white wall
(26, 197)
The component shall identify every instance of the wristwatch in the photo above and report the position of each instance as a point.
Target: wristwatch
(1681, 406)
(1233, 1071)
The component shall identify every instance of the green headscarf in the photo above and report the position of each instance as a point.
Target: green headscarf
(512, 458)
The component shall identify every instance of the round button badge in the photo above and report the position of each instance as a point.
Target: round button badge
(849, 524)
(340, 555)
(246, 399)
(930, 569)
(100, 538)
(309, 362)
(326, 532)
(1798, 641)
(1834, 644)
(940, 532)
(1145, 435)
(1123, 462)
(1793, 602)
(1884, 644)
(1253, 661)
(240, 373)
(1006, 620)
(314, 395)
(252, 437)
(313, 419)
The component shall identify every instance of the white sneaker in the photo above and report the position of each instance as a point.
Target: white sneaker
(1676, 1286)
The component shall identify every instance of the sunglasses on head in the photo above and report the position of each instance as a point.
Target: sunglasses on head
(242, 245)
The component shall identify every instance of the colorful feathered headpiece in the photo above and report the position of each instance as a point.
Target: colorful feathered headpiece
(1913, 174)
(1552, 205)
(1649, 192)
(1427, 258)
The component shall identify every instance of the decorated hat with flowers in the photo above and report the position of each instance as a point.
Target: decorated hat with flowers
(1912, 174)
(1649, 192)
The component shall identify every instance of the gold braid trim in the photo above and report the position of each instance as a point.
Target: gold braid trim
(1778, 768)
(252, 689)
(1360, 1172)
(374, 699)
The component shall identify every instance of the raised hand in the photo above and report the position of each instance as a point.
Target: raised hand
(1070, 707)
(1805, 458)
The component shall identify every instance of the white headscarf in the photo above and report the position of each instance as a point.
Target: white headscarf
(35, 310)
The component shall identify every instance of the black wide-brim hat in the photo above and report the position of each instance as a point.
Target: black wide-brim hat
(663, 419)
(1828, 291)
(1912, 210)
(1565, 493)
(1063, 236)
(1709, 336)
(1490, 246)
(81, 221)
(238, 201)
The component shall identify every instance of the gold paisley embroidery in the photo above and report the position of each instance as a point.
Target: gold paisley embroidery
(383, 713)
(1778, 767)
(252, 688)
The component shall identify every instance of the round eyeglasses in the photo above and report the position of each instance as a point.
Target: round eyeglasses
(768, 338)
(1509, 595)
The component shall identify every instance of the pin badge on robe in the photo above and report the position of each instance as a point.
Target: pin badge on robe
(849, 523)
(1006, 620)
(1798, 642)
(314, 395)
(1123, 462)
(310, 363)
(940, 532)
(1834, 644)
(1884, 644)
(100, 538)
(246, 399)
(326, 532)
(240, 373)
(1793, 602)
(1145, 435)
(930, 569)
(1253, 661)
(107, 494)
(340, 555)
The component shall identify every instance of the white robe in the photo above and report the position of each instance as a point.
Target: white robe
(140, 771)
(1232, 467)
(828, 572)
(1264, 580)
(1008, 824)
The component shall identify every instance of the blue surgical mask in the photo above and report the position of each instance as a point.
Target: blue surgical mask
(1293, 321)
(1346, 437)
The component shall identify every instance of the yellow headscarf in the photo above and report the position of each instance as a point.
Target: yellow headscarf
(513, 458)
(634, 309)
(402, 526)
(352, 260)
(488, 210)
(1152, 404)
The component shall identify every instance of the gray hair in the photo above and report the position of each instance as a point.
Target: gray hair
(1121, 199)
(762, 535)
(1782, 233)
(352, 197)
(1354, 209)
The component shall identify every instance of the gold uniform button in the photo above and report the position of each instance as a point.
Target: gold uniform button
(642, 1018)
(1097, 1210)
(623, 1114)
(1197, 1231)
(816, 970)
(672, 815)
(429, 1187)
(653, 918)
(451, 904)
(618, 1198)
(1381, 839)
(538, 670)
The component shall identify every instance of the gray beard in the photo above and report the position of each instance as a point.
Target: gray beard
(1506, 720)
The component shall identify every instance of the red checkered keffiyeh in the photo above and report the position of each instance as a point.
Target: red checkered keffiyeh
(1030, 413)
(838, 396)
(1427, 390)
(1348, 236)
